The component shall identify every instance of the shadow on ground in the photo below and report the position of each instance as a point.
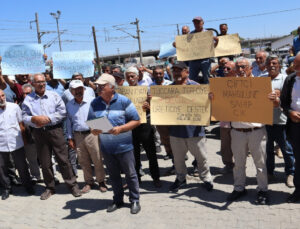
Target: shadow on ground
(82, 207)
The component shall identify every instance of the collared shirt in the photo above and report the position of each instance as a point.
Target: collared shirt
(187, 131)
(296, 44)
(257, 72)
(59, 89)
(295, 105)
(10, 132)
(50, 104)
(77, 115)
(164, 83)
(9, 94)
(278, 115)
(67, 96)
(119, 111)
(146, 81)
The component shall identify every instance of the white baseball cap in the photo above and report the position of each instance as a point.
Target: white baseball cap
(106, 78)
(75, 84)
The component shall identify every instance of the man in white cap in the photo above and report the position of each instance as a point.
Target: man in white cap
(116, 145)
(81, 139)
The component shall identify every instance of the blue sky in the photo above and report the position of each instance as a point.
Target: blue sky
(158, 20)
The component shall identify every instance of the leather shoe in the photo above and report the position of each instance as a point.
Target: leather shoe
(135, 207)
(46, 195)
(76, 191)
(157, 183)
(294, 197)
(5, 194)
(208, 185)
(114, 206)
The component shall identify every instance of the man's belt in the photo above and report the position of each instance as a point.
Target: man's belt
(51, 127)
(246, 129)
(83, 132)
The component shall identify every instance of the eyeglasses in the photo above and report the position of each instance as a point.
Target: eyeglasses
(101, 86)
(227, 68)
(241, 66)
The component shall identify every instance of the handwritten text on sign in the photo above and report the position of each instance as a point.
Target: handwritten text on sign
(242, 99)
(22, 59)
(65, 64)
(137, 95)
(180, 105)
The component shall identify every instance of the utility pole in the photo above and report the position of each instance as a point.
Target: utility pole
(38, 28)
(96, 50)
(56, 16)
(39, 34)
(139, 38)
(178, 33)
(119, 55)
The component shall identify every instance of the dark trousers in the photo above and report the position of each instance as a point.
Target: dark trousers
(124, 162)
(144, 134)
(21, 165)
(48, 141)
(277, 133)
(294, 138)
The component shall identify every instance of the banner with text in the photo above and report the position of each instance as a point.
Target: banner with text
(22, 59)
(194, 46)
(137, 95)
(65, 64)
(242, 99)
(180, 105)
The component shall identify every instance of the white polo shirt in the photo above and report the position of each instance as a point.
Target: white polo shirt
(10, 132)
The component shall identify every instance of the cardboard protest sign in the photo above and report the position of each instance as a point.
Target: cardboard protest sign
(137, 95)
(194, 46)
(242, 99)
(180, 105)
(228, 45)
(22, 59)
(65, 64)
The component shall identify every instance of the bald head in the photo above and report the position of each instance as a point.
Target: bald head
(185, 29)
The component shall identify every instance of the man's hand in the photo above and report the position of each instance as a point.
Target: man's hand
(146, 106)
(40, 120)
(72, 143)
(116, 130)
(295, 116)
(96, 132)
(273, 96)
(211, 96)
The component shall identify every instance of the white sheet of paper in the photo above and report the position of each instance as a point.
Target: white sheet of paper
(100, 124)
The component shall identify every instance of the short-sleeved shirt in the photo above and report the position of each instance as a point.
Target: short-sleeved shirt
(296, 44)
(119, 111)
(187, 131)
(278, 115)
(10, 132)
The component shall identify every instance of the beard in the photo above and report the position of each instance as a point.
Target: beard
(3, 103)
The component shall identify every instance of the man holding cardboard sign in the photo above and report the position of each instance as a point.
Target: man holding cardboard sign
(188, 138)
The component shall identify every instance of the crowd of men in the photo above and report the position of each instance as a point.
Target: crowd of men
(43, 123)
